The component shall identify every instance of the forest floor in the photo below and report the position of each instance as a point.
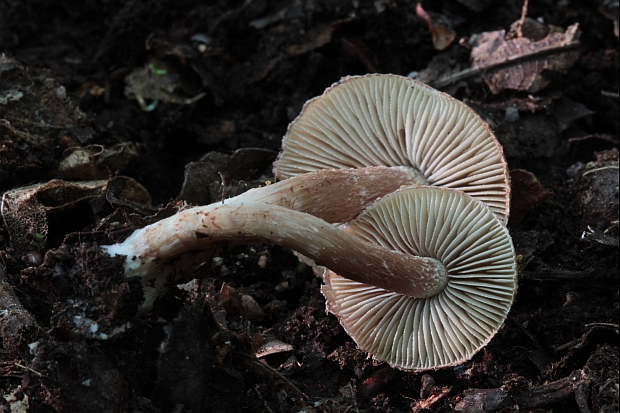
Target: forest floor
(114, 112)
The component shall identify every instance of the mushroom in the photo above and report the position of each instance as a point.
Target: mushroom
(447, 328)
(426, 275)
(392, 120)
(151, 252)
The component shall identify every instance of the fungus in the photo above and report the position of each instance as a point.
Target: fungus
(391, 120)
(422, 279)
(447, 328)
(355, 189)
(150, 252)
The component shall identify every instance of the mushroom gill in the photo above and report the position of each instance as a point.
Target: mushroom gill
(450, 327)
(392, 120)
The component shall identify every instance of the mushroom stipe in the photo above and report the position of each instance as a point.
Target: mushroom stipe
(152, 252)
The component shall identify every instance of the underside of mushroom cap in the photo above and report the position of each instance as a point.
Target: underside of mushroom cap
(450, 327)
(392, 120)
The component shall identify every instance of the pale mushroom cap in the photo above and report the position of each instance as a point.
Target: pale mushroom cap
(393, 120)
(450, 327)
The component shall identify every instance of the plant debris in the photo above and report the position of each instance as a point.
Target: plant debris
(516, 63)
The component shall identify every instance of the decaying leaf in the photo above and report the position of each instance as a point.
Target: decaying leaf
(203, 179)
(24, 210)
(566, 112)
(375, 383)
(273, 347)
(166, 85)
(598, 198)
(508, 62)
(518, 63)
(79, 164)
(97, 161)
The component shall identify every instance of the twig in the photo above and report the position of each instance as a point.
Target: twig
(223, 187)
(525, 331)
(260, 396)
(580, 342)
(277, 373)
(31, 370)
(522, 21)
(41, 125)
(554, 275)
(591, 171)
(609, 94)
(526, 399)
(606, 325)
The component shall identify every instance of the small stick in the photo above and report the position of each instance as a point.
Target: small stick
(223, 186)
(609, 94)
(277, 373)
(522, 21)
(30, 370)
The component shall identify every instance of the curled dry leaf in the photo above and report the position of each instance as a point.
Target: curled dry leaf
(527, 193)
(79, 164)
(518, 63)
(566, 112)
(240, 171)
(24, 210)
(273, 347)
(97, 161)
(442, 36)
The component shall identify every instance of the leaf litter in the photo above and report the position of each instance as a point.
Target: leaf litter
(559, 133)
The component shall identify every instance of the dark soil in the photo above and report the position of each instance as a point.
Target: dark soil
(236, 74)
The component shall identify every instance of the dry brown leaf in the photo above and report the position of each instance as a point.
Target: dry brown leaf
(442, 36)
(527, 193)
(273, 347)
(518, 63)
